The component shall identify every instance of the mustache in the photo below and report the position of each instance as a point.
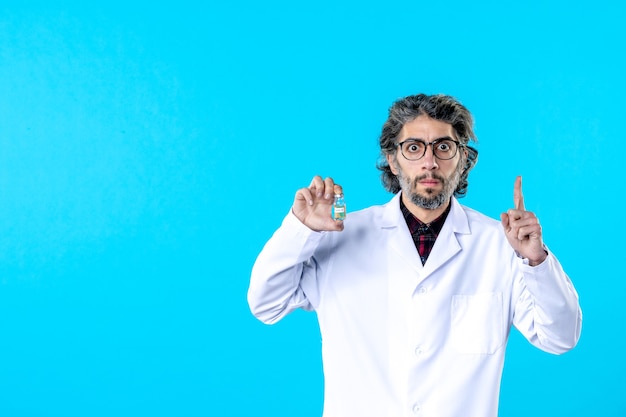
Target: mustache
(429, 176)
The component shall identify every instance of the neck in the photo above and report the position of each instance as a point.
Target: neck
(424, 215)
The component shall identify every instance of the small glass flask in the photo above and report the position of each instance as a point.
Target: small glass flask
(339, 208)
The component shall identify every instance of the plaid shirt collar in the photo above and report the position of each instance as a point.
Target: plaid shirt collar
(424, 234)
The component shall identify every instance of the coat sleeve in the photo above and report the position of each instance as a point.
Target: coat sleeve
(285, 262)
(547, 311)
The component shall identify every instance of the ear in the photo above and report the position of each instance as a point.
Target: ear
(471, 156)
(392, 163)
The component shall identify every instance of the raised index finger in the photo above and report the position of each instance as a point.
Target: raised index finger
(518, 197)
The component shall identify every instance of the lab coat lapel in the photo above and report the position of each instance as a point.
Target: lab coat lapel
(447, 244)
(399, 238)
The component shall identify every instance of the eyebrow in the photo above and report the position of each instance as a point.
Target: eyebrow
(422, 140)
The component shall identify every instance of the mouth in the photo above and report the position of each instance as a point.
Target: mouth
(429, 182)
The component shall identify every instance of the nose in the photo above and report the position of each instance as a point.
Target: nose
(430, 162)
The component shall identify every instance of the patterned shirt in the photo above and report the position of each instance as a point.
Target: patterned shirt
(424, 235)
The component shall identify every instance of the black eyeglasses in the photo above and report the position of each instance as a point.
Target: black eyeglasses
(444, 148)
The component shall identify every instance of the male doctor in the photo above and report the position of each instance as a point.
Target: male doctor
(415, 298)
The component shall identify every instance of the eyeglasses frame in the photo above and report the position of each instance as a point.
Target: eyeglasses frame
(459, 145)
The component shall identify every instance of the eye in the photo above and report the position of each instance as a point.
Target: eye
(413, 147)
(444, 146)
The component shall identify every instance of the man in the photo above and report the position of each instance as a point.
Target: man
(415, 299)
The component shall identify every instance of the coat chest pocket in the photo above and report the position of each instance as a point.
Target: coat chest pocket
(477, 323)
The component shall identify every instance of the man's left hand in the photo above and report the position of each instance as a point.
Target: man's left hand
(522, 228)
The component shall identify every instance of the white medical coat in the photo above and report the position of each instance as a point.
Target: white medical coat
(403, 339)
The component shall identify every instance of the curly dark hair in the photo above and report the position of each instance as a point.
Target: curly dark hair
(439, 107)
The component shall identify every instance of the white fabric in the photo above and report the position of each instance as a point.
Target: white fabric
(402, 339)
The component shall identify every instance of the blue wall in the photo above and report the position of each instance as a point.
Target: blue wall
(147, 152)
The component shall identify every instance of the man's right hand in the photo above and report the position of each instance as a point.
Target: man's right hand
(313, 205)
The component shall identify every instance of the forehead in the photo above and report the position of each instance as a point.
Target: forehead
(424, 127)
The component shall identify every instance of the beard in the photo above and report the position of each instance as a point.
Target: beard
(429, 199)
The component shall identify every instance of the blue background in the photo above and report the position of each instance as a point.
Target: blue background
(148, 151)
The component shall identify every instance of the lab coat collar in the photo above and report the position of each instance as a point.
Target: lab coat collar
(446, 246)
(457, 219)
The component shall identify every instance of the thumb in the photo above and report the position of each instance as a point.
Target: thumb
(504, 219)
